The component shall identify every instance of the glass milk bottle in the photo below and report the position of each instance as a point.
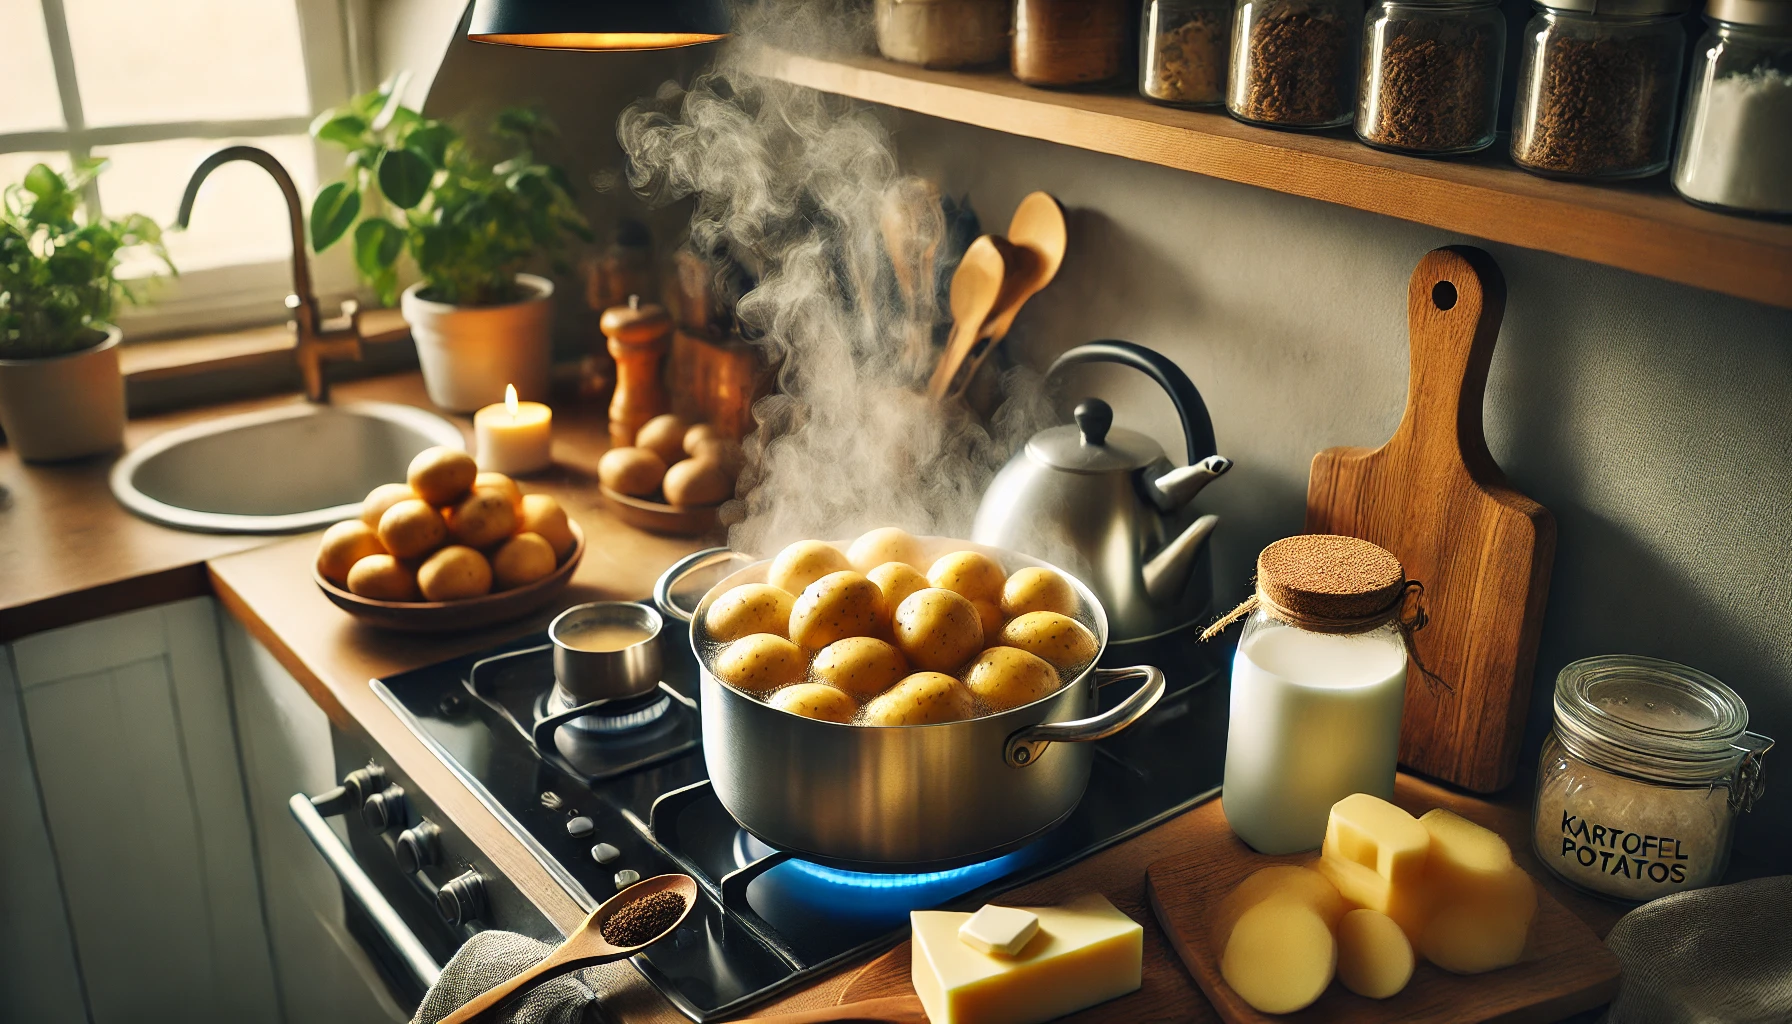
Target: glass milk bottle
(1318, 684)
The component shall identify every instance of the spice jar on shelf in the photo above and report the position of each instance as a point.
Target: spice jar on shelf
(1071, 42)
(943, 33)
(1643, 776)
(1294, 62)
(1736, 149)
(1597, 88)
(1431, 75)
(1183, 49)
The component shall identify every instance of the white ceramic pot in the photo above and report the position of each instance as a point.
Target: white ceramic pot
(470, 352)
(64, 407)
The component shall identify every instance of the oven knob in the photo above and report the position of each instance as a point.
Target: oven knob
(384, 810)
(418, 847)
(364, 782)
(462, 899)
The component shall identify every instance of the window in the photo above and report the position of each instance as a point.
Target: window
(154, 87)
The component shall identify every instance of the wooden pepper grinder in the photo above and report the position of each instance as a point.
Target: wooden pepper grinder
(638, 340)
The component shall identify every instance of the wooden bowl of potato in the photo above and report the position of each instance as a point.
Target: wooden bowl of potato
(451, 548)
(673, 479)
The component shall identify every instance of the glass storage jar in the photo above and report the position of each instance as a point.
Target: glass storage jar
(1736, 149)
(1431, 75)
(1293, 62)
(943, 33)
(1643, 776)
(1071, 42)
(1598, 83)
(1183, 49)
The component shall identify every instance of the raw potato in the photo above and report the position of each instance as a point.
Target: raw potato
(815, 700)
(700, 435)
(885, 544)
(632, 471)
(504, 485)
(761, 662)
(749, 608)
(1059, 639)
(482, 518)
(803, 563)
(1374, 957)
(897, 580)
(454, 573)
(1280, 956)
(382, 498)
(412, 529)
(989, 616)
(441, 475)
(664, 436)
(343, 545)
(1007, 677)
(382, 578)
(862, 666)
(522, 560)
(697, 481)
(971, 573)
(1484, 932)
(1278, 881)
(937, 630)
(1034, 589)
(925, 698)
(839, 605)
(543, 515)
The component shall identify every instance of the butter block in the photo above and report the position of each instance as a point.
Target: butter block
(1280, 956)
(1278, 881)
(1374, 955)
(1085, 952)
(1375, 853)
(999, 931)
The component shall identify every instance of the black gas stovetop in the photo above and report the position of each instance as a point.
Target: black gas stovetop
(624, 795)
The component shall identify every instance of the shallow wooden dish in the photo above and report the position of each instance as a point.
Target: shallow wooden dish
(659, 517)
(473, 613)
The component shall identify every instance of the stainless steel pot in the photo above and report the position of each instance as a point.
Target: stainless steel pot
(907, 798)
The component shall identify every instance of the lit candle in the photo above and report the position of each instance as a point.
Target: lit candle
(515, 437)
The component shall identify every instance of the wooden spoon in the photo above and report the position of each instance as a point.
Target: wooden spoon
(887, 1010)
(1039, 233)
(976, 286)
(585, 947)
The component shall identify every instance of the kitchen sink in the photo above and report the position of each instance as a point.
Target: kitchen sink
(280, 471)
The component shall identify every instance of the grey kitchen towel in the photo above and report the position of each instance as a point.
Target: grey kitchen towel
(492, 957)
(1707, 956)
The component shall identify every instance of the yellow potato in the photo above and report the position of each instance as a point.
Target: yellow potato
(1280, 956)
(749, 608)
(971, 573)
(664, 436)
(937, 630)
(382, 498)
(482, 518)
(701, 435)
(454, 573)
(382, 578)
(803, 563)
(697, 481)
(1007, 677)
(990, 617)
(885, 544)
(897, 580)
(504, 485)
(1278, 881)
(543, 515)
(862, 666)
(761, 662)
(343, 545)
(1374, 956)
(1034, 589)
(924, 698)
(441, 476)
(1059, 639)
(412, 529)
(522, 560)
(815, 700)
(1484, 931)
(839, 605)
(632, 471)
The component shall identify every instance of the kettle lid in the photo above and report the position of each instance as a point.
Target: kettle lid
(1092, 444)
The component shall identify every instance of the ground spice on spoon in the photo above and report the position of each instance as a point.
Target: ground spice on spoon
(641, 921)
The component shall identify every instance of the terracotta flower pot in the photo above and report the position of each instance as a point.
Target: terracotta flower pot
(64, 407)
(469, 353)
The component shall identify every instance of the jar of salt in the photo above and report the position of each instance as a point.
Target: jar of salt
(1736, 148)
(1643, 777)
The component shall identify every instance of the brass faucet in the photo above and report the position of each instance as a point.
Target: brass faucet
(315, 341)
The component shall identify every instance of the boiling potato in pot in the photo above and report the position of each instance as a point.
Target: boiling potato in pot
(803, 563)
(761, 662)
(1059, 639)
(862, 666)
(887, 544)
(1008, 677)
(749, 608)
(970, 573)
(1034, 589)
(937, 630)
(839, 605)
(925, 698)
(815, 700)
(897, 580)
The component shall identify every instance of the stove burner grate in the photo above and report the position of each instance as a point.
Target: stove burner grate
(606, 718)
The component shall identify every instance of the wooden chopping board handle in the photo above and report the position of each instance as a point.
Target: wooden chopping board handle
(1454, 304)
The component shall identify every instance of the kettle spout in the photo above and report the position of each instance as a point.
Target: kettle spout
(1178, 487)
(1166, 574)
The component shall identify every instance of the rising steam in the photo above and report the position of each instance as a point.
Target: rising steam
(803, 190)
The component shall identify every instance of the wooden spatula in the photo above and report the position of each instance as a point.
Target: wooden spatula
(1434, 497)
(976, 286)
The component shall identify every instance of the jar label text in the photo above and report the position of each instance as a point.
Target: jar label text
(1620, 853)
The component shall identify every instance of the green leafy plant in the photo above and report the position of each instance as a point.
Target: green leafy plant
(469, 224)
(58, 269)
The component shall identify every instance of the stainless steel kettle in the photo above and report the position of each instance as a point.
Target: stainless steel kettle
(1107, 506)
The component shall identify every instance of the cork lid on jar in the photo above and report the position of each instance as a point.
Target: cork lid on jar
(635, 322)
(1327, 578)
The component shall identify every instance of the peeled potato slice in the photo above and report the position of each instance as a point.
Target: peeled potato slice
(1280, 956)
(1278, 881)
(1374, 956)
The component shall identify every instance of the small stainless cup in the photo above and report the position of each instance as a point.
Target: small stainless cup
(607, 675)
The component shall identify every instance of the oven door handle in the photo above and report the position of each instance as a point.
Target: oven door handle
(362, 890)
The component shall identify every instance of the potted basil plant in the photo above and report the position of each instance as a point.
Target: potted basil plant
(61, 393)
(470, 225)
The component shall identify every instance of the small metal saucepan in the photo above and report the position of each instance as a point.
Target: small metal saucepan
(905, 798)
(614, 670)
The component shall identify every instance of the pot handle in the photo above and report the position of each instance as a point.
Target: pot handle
(1025, 745)
(662, 587)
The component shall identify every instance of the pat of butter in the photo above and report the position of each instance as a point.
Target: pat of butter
(999, 931)
(1085, 952)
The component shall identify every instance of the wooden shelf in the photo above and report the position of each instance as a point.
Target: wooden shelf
(1643, 228)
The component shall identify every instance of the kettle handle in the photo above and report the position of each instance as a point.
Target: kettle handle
(1197, 426)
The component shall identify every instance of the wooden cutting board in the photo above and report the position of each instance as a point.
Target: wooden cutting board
(1565, 970)
(1434, 497)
